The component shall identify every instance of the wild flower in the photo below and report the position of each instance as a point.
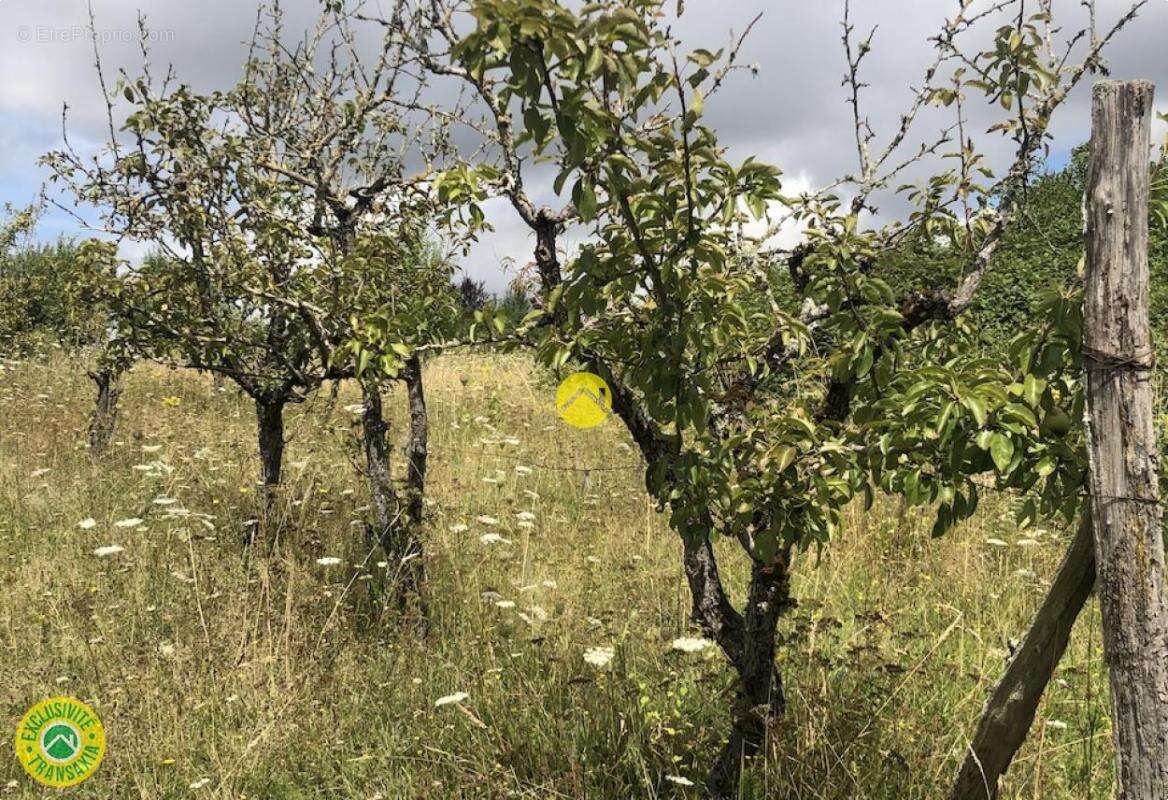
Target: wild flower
(151, 448)
(525, 516)
(520, 469)
(459, 528)
(487, 520)
(164, 501)
(690, 644)
(87, 524)
(1057, 724)
(451, 699)
(493, 538)
(599, 656)
(996, 543)
(328, 561)
(108, 550)
(200, 783)
(505, 604)
(679, 780)
(39, 472)
(130, 522)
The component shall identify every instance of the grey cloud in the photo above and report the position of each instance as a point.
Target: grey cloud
(792, 114)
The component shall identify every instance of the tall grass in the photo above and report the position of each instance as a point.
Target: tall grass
(271, 675)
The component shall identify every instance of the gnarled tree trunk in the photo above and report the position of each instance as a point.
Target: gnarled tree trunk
(375, 445)
(1010, 711)
(417, 450)
(270, 427)
(1121, 440)
(759, 697)
(103, 420)
(396, 523)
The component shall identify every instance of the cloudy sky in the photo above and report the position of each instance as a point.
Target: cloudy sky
(791, 114)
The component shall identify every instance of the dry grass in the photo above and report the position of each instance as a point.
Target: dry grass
(279, 677)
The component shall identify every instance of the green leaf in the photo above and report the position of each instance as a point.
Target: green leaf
(1001, 451)
(977, 407)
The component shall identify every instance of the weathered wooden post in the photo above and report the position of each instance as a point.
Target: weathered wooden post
(1121, 443)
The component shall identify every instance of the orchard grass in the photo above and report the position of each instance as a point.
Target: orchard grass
(289, 673)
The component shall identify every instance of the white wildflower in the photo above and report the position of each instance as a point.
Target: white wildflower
(505, 604)
(459, 528)
(679, 780)
(356, 408)
(108, 550)
(40, 472)
(526, 516)
(87, 524)
(522, 470)
(494, 538)
(996, 543)
(130, 522)
(691, 644)
(151, 448)
(487, 520)
(328, 561)
(200, 783)
(599, 656)
(1057, 724)
(451, 699)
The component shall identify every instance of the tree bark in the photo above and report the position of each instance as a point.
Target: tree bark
(711, 609)
(1008, 715)
(417, 450)
(270, 424)
(395, 523)
(759, 696)
(375, 444)
(1121, 440)
(104, 419)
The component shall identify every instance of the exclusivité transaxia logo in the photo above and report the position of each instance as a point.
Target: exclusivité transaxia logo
(60, 742)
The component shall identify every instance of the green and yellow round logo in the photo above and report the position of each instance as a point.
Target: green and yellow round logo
(584, 400)
(60, 742)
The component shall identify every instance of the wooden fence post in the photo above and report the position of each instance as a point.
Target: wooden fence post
(1121, 443)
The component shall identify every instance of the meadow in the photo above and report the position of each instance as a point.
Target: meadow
(556, 658)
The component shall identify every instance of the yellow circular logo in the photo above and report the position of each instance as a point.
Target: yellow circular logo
(60, 742)
(584, 400)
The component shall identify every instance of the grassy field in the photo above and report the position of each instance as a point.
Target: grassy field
(219, 675)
